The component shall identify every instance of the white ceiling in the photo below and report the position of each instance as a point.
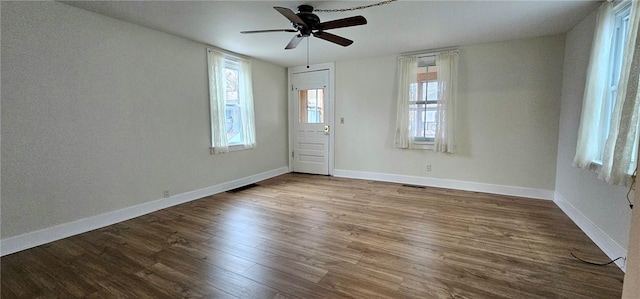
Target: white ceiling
(398, 27)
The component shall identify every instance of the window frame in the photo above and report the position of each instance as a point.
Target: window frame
(621, 12)
(421, 99)
(231, 64)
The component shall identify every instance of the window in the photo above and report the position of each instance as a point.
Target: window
(620, 31)
(427, 96)
(233, 117)
(423, 103)
(231, 100)
(311, 106)
(608, 134)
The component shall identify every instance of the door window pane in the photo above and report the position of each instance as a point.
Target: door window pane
(311, 106)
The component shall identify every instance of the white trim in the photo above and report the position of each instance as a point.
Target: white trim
(423, 145)
(232, 148)
(444, 183)
(599, 237)
(50, 234)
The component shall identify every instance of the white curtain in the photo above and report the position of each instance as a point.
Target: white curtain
(447, 63)
(588, 149)
(407, 75)
(217, 100)
(623, 136)
(246, 105)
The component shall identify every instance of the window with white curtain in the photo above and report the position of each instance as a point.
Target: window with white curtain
(608, 134)
(427, 95)
(620, 30)
(231, 101)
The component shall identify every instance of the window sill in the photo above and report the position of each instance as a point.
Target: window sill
(595, 166)
(232, 148)
(422, 145)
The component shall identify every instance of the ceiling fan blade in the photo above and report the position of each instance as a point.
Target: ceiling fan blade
(289, 14)
(333, 38)
(340, 23)
(294, 42)
(269, 30)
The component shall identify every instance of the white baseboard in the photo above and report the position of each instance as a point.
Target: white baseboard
(443, 183)
(602, 240)
(50, 234)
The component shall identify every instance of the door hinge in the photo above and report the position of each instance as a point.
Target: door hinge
(291, 154)
(291, 87)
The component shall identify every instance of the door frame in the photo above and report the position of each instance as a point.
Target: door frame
(330, 66)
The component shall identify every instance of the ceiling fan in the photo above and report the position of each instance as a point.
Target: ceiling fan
(306, 23)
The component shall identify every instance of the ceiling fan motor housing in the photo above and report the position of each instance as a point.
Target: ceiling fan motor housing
(311, 20)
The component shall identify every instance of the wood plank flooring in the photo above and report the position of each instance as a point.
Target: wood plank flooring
(305, 236)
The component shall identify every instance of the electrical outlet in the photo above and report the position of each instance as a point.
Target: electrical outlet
(428, 167)
(167, 193)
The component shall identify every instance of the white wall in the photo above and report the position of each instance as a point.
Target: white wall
(605, 206)
(99, 115)
(509, 99)
(631, 288)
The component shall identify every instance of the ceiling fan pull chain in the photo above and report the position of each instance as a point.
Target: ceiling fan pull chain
(355, 7)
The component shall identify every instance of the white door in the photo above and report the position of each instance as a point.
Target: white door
(310, 96)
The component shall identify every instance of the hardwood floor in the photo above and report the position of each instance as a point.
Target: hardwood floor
(304, 236)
